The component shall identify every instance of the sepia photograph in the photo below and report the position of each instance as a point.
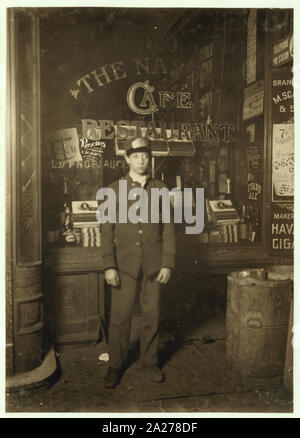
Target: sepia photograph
(149, 216)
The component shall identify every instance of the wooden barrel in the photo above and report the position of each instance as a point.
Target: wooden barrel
(283, 272)
(288, 366)
(257, 319)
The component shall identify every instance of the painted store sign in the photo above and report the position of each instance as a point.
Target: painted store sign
(110, 73)
(283, 51)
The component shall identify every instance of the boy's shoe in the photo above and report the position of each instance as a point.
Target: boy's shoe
(112, 377)
(154, 374)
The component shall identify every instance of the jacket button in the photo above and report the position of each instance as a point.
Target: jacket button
(140, 231)
(137, 243)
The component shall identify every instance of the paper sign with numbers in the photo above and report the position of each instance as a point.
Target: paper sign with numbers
(283, 162)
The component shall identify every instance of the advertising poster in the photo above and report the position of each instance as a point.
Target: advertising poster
(63, 145)
(283, 163)
(282, 95)
(253, 100)
(282, 207)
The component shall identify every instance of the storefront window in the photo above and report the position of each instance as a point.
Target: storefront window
(179, 82)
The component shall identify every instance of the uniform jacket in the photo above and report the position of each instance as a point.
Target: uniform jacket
(128, 246)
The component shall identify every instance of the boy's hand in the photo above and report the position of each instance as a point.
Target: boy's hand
(112, 277)
(164, 275)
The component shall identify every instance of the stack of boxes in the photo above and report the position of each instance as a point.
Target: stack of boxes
(225, 219)
(85, 224)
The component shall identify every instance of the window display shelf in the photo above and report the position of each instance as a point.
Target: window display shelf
(73, 259)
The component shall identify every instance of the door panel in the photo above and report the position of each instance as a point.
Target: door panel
(74, 308)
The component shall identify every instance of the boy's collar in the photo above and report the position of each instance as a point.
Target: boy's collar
(131, 180)
(147, 176)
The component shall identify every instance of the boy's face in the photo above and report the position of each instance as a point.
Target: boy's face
(138, 162)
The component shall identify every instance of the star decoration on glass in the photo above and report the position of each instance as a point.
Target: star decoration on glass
(75, 93)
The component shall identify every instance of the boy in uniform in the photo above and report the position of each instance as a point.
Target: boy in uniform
(132, 253)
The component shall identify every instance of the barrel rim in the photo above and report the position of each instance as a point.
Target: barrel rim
(261, 281)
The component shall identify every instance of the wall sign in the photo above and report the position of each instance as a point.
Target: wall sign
(254, 191)
(90, 149)
(282, 208)
(254, 157)
(179, 99)
(253, 100)
(283, 51)
(160, 130)
(64, 145)
(283, 162)
(110, 73)
(282, 96)
(282, 227)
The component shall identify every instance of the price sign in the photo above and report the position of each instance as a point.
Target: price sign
(283, 162)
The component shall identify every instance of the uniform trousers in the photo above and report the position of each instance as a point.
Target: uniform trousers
(122, 305)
